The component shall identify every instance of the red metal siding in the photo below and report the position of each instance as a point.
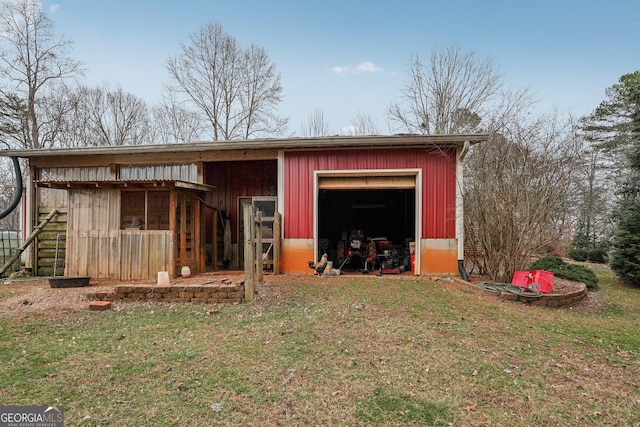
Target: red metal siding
(439, 198)
(238, 179)
(438, 185)
(298, 195)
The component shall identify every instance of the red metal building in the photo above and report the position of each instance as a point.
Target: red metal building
(168, 202)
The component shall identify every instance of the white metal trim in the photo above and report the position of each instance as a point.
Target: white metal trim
(280, 186)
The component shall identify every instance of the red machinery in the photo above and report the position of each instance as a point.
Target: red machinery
(387, 257)
(368, 255)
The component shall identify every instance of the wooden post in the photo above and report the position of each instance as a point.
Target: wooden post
(214, 239)
(276, 243)
(175, 233)
(198, 239)
(249, 255)
(259, 254)
(183, 230)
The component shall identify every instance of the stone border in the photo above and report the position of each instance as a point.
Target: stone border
(547, 300)
(208, 293)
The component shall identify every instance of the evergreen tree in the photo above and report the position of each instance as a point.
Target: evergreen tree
(610, 127)
(625, 255)
(12, 111)
(608, 134)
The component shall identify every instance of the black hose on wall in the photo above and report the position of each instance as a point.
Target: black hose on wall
(18, 194)
(462, 270)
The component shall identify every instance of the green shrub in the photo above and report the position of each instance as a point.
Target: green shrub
(597, 255)
(578, 254)
(562, 269)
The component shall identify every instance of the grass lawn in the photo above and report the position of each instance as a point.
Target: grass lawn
(331, 351)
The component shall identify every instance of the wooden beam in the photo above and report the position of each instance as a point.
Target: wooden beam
(174, 227)
(249, 256)
(259, 259)
(183, 230)
(184, 185)
(214, 239)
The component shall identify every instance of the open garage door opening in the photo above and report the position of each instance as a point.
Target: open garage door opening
(367, 230)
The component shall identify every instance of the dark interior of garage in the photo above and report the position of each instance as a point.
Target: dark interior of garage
(370, 216)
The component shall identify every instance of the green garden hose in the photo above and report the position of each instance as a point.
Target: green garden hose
(508, 287)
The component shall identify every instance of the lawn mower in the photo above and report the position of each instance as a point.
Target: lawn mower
(387, 257)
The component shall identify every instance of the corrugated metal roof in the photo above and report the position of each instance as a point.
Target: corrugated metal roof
(291, 144)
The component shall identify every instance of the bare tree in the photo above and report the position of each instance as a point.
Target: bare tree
(102, 116)
(32, 60)
(235, 90)
(447, 96)
(173, 123)
(517, 185)
(363, 125)
(316, 124)
(57, 115)
(261, 94)
(516, 188)
(592, 200)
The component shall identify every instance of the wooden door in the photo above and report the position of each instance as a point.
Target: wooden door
(188, 233)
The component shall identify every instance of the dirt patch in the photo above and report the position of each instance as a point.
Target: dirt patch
(564, 286)
(592, 302)
(36, 296)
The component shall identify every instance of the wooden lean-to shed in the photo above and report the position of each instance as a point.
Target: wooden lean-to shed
(128, 212)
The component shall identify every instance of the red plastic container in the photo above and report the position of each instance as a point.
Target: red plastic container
(544, 279)
(521, 278)
(540, 280)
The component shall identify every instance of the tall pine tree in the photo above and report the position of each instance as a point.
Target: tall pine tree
(625, 255)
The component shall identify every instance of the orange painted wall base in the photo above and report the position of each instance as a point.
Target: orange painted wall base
(438, 256)
(295, 253)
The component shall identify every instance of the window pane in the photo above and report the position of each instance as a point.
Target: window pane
(158, 210)
(153, 216)
(132, 210)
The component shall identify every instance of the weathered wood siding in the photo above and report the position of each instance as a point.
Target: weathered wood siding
(92, 234)
(144, 253)
(53, 198)
(96, 246)
(52, 243)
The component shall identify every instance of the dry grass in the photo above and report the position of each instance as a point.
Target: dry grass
(326, 351)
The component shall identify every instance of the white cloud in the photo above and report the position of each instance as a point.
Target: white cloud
(340, 71)
(367, 67)
(53, 8)
(363, 67)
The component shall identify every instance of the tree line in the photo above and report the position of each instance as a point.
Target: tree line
(545, 182)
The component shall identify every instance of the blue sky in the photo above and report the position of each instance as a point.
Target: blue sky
(567, 52)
